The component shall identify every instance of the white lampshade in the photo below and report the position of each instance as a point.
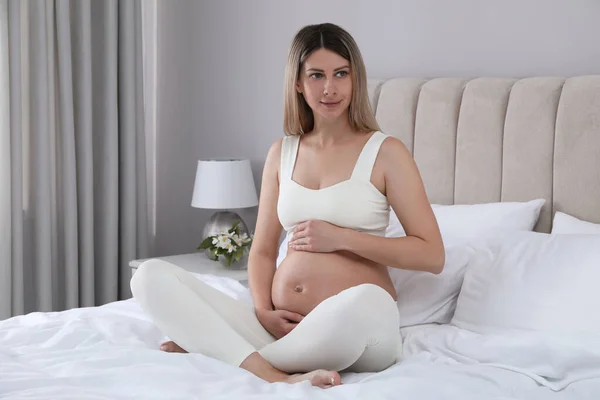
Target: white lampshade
(224, 184)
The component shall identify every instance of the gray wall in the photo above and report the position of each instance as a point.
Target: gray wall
(221, 64)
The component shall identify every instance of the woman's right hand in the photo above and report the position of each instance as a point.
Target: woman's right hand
(278, 322)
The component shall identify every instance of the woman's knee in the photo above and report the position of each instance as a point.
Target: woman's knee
(149, 274)
(368, 291)
(368, 301)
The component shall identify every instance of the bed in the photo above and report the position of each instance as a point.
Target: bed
(476, 141)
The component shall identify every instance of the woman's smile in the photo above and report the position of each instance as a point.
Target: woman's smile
(331, 104)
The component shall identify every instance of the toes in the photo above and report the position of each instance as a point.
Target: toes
(334, 379)
(320, 378)
(337, 379)
(326, 379)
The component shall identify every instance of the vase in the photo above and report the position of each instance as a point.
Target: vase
(242, 263)
(222, 221)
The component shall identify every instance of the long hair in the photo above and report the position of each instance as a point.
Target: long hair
(298, 117)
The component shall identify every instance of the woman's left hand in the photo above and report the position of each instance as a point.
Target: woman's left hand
(316, 236)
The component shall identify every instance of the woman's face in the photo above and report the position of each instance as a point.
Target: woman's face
(326, 84)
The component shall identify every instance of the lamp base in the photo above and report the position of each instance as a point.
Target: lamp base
(222, 221)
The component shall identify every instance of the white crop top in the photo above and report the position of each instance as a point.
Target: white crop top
(354, 203)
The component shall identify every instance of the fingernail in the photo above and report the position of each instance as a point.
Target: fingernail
(332, 380)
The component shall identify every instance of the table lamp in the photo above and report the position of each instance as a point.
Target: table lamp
(224, 184)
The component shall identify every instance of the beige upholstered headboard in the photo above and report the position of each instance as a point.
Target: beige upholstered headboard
(488, 139)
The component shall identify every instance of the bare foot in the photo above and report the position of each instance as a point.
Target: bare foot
(171, 347)
(260, 367)
(321, 378)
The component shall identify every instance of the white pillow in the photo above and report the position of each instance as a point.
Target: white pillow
(532, 281)
(567, 224)
(427, 298)
(460, 222)
(424, 297)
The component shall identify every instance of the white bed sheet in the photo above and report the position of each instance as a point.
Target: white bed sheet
(110, 352)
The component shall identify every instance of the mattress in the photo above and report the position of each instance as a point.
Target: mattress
(111, 352)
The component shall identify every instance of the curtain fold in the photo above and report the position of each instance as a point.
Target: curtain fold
(77, 167)
(5, 169)
(81, 41)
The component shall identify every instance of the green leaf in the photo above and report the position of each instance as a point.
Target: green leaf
(206, 243)
(234, 227)
(213, 254)
(228, 257)
(237, 255)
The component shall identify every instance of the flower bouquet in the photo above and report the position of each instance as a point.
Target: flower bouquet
(231, 245)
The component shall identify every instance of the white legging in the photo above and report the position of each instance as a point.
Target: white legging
(355, 330)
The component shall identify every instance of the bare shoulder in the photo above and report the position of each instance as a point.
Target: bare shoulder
(275, 149)
(394, 153)
(273, 159)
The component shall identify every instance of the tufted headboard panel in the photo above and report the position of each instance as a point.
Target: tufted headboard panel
(494, 139)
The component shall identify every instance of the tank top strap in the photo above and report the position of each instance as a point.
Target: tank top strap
(368, 155)
(289, 151)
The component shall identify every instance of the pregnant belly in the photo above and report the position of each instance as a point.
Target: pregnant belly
(304, 279)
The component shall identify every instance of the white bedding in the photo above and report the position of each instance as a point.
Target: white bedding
(110, 352)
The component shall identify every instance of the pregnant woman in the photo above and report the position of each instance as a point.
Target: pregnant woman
(330, 306)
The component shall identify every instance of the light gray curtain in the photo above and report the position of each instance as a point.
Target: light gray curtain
(77, 153)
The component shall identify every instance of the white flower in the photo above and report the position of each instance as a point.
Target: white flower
(229, 247)
(215, 241)
(237, 240)
(223, 241)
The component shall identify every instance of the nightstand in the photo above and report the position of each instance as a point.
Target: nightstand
(199, 263)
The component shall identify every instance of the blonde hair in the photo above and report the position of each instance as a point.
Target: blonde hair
(298, 117)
